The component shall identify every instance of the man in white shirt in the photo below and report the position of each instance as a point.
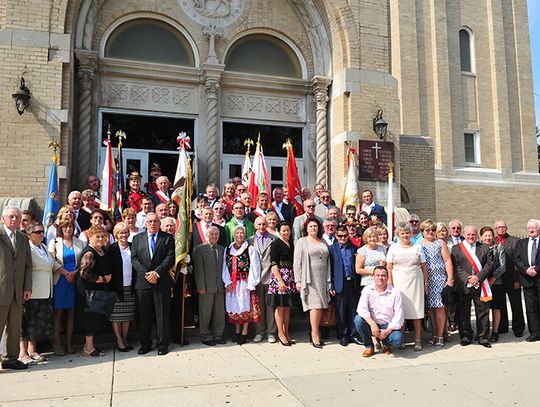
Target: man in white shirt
(147, 207)
(329, 226)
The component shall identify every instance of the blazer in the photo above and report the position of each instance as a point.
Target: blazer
(161, 262)
(337, 266)
(197, 239)
(42, 273)
(83, 219)
(463, 269)
(511, 275)
(156, 200)
(206, 270)
(15, 267)
(521, 261)
(379, 211)
(117, 279)
(56, 248)
(287, 211)
(264, 254)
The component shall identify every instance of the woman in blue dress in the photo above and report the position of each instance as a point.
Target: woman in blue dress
(65, 249)
(440, 274)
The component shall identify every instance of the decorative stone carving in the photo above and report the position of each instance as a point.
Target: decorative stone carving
(213, 12)
(238, 104)
(85, 76)
(213, 33)
(130, 93)
(320, 96)
(211, 87)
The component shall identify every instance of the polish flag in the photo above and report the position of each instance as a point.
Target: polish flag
(258, 180)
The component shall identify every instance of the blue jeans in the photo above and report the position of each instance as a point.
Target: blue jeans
(394, 339)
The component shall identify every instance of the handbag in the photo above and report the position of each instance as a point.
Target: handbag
(329, 316)
(99, 301)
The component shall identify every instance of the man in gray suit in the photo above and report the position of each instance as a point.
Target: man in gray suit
(15, 283)
(321, 210)
(207, 269)
(309, 213)
(262, 241)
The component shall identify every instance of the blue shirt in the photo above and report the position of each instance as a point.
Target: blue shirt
(346, 256)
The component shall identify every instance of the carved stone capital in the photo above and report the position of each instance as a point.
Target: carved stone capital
(86, 69)
(211, 86)
(320, 85)
(321, 99)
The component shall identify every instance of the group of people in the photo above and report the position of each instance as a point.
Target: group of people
(253, 259)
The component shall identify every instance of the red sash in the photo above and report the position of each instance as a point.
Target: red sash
(162, 197)
(486, 291)
(201, 233)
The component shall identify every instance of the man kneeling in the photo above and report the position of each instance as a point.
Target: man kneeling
(380, 314)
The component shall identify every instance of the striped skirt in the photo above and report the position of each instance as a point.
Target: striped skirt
(124, 311)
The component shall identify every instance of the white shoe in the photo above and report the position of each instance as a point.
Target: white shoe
(258, 338)
(271, 338)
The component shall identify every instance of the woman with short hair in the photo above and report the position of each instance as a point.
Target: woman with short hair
(130, 220)
(369, 256)
(272, 220)
(407, 272)
(65, 249)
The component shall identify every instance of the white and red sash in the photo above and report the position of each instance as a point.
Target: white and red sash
(162, 196)
(201, 232)
(485, 295)
(259, 212)
(277, 211)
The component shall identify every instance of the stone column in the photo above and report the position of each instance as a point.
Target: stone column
(212, 77)
(86, 70)
(320, 96)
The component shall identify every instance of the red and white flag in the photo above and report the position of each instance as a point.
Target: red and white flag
(294, 188)
(258, 180)
(108, 178)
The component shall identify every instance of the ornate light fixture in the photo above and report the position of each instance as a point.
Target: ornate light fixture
(379, 124)
(22, 97)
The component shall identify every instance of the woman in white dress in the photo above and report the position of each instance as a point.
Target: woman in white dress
(241, 274)
(407, 272)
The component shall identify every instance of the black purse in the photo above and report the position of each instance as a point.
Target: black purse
(99, 301)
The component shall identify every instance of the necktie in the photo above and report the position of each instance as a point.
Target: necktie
(533, 252)
(12, 238)
(152, 243)
(214, 250)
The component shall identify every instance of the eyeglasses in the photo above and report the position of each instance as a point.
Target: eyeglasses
(456, 228)
(500, 227)
(325, 197)
(430, 229)
(310, 206)
(219, 209)
(414, 221)
(38, 231)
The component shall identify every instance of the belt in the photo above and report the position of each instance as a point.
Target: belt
(348, 278)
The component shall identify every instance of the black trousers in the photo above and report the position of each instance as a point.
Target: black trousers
(153, 304)
(518, 319)
(481, 310)
(532, 306)
(346, 303)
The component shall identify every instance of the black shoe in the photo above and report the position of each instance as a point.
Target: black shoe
(284, 343)
(209, 343)
(485, 344)
(14, 365)
(465, 342)
(532, 338)
(241, 339)
(357, 340)
(220, 341)
(344, 341)
(143, 350)
(162, 351)
(518, 334)
(453, 327)
(122, 349)
(235, 337)
(494, 337)
(129, 347)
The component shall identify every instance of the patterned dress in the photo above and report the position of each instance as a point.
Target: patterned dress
(281, 256)
(242, 271)
(436, 272)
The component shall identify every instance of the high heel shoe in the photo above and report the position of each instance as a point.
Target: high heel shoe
(284, 343)
(315, 345)
(122, 349)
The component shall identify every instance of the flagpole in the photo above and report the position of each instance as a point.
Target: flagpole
(120, 174)
(390, 203)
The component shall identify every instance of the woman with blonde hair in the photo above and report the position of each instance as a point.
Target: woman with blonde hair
(370, 255)
(272, 220)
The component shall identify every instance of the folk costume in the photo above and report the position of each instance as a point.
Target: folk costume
(242, 271)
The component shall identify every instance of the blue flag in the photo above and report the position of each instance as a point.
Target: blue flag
(51, 204)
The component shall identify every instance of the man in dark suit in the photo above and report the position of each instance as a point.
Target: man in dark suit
(372, 208)
(262, 240)
(207, 269)
(164, 191)
(455, 238)
(16, 283)
(527, 261)
(261, 207)
(283, 210)
(511, 282)
(152, 256)
(198, 236)
(82, 218)
(345, 285)
(473, 263)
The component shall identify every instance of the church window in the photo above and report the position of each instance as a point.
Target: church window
(466, 50)
(472, 147)
(263, 54)
(150, 41)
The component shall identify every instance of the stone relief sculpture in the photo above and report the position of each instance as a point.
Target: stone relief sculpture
(213, 12)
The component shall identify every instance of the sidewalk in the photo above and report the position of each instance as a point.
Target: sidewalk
(272, 375)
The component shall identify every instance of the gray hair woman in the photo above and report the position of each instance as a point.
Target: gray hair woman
(38, 312)
(407, 272)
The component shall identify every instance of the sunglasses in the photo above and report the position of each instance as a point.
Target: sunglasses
(414, 221)
(340, 236)
(430, 229)
(310, 206)
(219, 209)
(38, 231)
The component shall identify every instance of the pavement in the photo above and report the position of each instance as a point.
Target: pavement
(263, 374)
